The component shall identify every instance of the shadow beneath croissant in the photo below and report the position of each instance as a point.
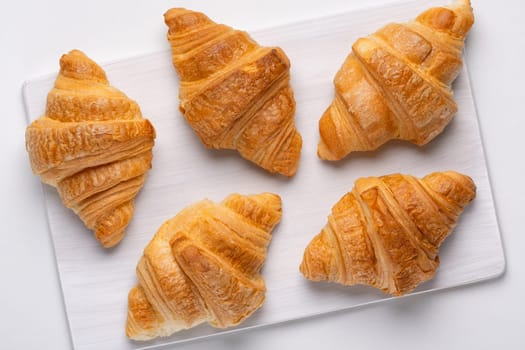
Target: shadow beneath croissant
(419, 304)
(394, 149)
(414, 306)
(334, 290)
(226, 160)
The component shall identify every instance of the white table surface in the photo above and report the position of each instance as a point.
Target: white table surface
(33, 35)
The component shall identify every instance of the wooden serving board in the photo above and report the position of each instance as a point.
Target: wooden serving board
(96, 282)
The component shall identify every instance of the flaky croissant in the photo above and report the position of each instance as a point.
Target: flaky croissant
(386, 233)
(234, 93)
(93, 145)
(203, 265)
(396, 84)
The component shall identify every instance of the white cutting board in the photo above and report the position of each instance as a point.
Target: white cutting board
(95, 281)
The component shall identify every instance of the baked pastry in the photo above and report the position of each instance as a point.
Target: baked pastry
(203, 265)
(234, 93)
(396, 84)
(386, 233)
(93, 145)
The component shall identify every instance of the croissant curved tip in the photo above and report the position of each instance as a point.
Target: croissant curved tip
(316, 263)
(462, 3)
(305, 269)
(330, 146)
(455, 19)
(458, 188)
(111, 240)
(76, 64)
(269, 198)
(175, 11)
(179, 19)
(272, 202)
(324, 153)
(263, 209)
(141, 321)
(464, 179)
(272, 198)
(464, 7)
(76, 52)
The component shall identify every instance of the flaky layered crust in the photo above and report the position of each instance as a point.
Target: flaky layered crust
(396, 84)
(234, 93)
(203, 265)
(93, 145)
(387, 231)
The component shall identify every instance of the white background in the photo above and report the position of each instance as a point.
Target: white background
(33, 34)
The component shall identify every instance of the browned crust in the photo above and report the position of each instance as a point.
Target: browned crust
(387, 231)
(396, 84)
(93, 145)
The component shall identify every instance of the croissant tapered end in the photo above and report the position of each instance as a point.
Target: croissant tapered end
(263, 210)
(387, 231)
(142, 323)
(204, 265)
(77, 65)
(93, 145)
(455, 20)
(234, 93)
(330, 145)
(318, 262)
(457, 188)
(396, 84)
(109, 228)
(180, 20)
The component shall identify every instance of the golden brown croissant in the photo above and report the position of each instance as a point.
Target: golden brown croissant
(93, 145)
(203, 265)
(386, 233)
(234, 93)
(396, 84)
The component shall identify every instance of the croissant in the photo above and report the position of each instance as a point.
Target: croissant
(234, 93)
(386, 233)
(93, 145)
(203, 265)
(396, 84)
